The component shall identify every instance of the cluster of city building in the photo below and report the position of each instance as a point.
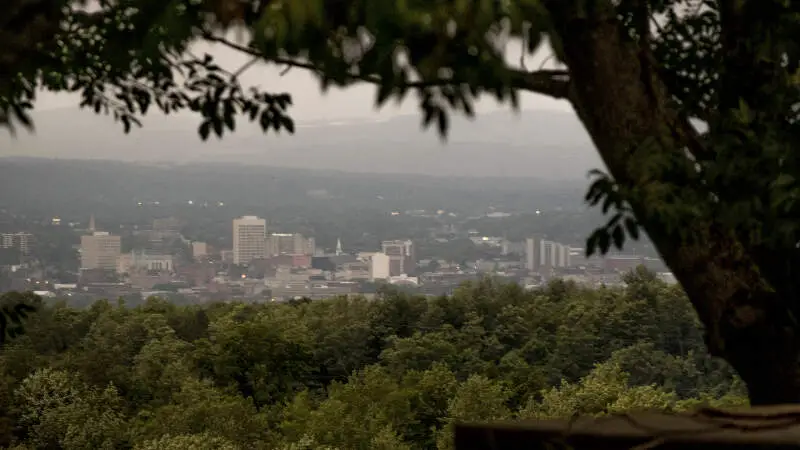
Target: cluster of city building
(264, 265)
(252, 244)
(281, 265)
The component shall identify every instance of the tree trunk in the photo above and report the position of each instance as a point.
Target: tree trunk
(770, 381)
(622, 103)
(762, 345)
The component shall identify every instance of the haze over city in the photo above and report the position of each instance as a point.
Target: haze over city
(539, 144)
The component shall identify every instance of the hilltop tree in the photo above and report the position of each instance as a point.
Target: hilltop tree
(350, 373)
(640, 74)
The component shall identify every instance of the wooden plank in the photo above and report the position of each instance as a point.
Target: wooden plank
(764, 428)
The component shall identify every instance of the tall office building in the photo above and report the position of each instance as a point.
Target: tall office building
(563, 256)
(100, 250)
(249, 239)
(338, 251)
(402, 257)
(379, 266)
(199, 250)
(532, 253)
(540, 254)
(549, 252)
(290, 244)
(21, 241)
(555, 254)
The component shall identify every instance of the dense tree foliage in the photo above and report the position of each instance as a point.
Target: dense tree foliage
(392, 373)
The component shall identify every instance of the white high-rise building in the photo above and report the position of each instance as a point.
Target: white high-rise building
(100, 250)
(379, 266)
(533, 249)
(199, 250)
(563, 256)
(249, 239)
(540, 253)
(338, 251)
(555, 254)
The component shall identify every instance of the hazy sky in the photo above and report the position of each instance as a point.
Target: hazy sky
(311, 104)
(537, 143)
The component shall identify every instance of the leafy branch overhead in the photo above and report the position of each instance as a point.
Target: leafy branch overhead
(604, 191)
(132, 53)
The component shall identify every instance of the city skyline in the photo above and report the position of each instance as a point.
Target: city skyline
(195, 233)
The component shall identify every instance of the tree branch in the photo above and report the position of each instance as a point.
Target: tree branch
(244, 67)
(549, 82)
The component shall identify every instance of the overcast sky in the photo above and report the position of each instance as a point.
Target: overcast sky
(539, 143)
(311, 104)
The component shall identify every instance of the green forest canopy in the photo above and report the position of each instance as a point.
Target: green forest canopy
(390, 374)
(719, 206)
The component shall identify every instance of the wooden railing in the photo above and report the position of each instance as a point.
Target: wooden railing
(751, 428)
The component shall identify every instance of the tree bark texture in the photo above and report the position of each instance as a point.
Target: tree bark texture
(618, 96)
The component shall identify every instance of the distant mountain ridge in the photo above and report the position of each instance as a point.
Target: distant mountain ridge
(534, 143)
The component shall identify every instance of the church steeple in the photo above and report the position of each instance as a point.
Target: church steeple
(339, 247)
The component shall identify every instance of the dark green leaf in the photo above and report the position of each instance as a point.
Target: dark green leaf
(604, 242)
(533, 40)
(618, 236)
(383, 94)
(591, 244)
(287, 124)
(218, 126)
(265, 121)
(205, 129)
(442, 123)
(632, 227)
